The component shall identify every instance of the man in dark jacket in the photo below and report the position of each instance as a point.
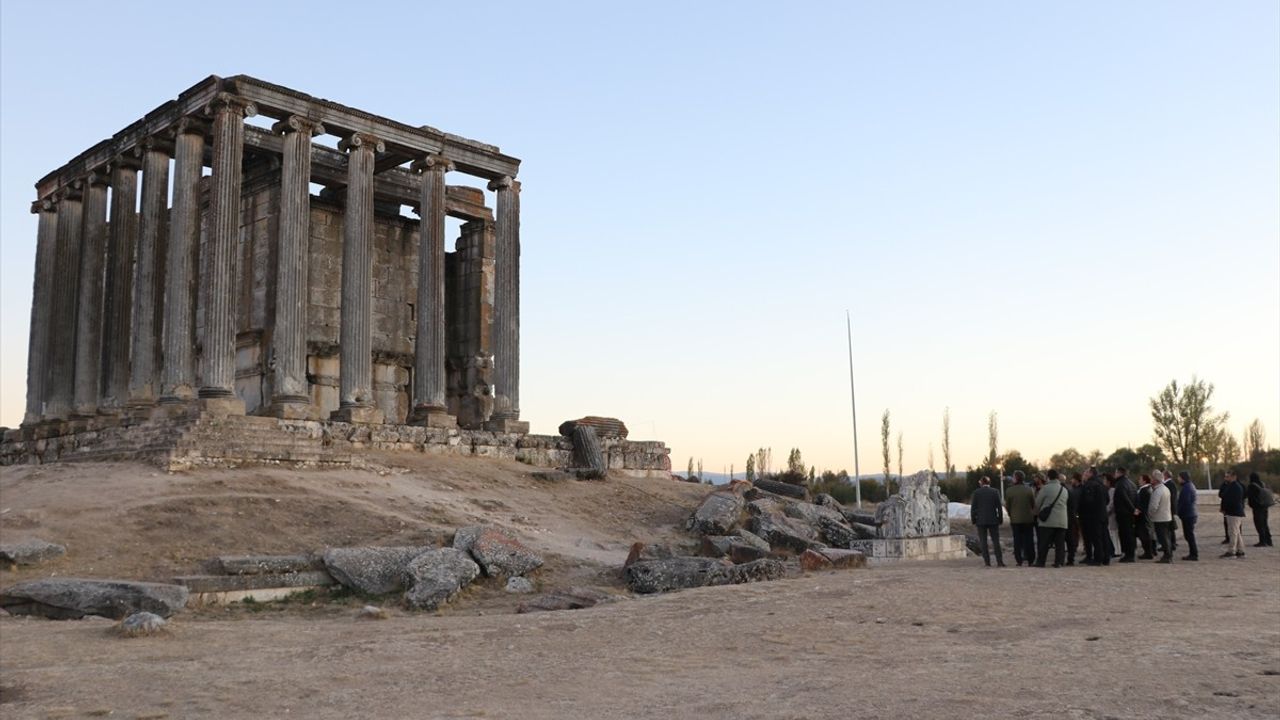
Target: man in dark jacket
(1073, 517)
(1125, 502)
(1172, 484)
(1093, 518)
(1142, 522)
(987, 515)
(1187, 513)
(1021, 500)
(1260, 500)
(1232, 494)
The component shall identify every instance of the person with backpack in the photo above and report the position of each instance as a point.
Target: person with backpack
(1051, 512)
(1188, 514)
(1260, 499)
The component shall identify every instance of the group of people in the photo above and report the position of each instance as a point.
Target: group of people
(1110, 516)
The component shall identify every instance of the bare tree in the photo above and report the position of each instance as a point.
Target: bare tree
(1185, 424)
(946, 443)
(690, 474)
(884, 444)
(899, 453)
(1255, 439)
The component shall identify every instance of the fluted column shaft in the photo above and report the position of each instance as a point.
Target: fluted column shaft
(218, 349)
(178, 375)
(143, 358)
(41, 297)
(355, 375)
(506, 301)
(89, 300)
(122, 236)
(291, 394)
(429, 349)
(60, 381)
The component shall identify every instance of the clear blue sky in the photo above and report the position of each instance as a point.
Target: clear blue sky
(1049, 210)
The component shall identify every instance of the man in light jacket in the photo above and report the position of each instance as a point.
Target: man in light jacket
(987, 515)
(1160, 512)
(1188, 514)
(1053, 529)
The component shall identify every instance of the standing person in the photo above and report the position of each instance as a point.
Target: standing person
(1113, 530)
(1187, 513)
(1142, 522)
(1172, 484)
(1093, 519)
(1021, 501)
(1126, 512)
(1051, 511)
(1232, 495)
(1073, 517)
(987, 515)
(1260, 500)
(1159, 512)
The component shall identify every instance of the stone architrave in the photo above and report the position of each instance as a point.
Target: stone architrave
(218, 347)
(290, 395)
(60, 379)
(89, 302)
(355, 371)
(429, 379)
(41, 297)
(178, 373)
(506, 310)
(148, 283)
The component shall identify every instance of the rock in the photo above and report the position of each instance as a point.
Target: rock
(740, 553)
(718, 514)
(717, 545)
(141, 623)
(652, 551)
(811, 514)
(812, 560)
(551, 475)
(836, 533)
(370, 570)
(372, 612)
(651, 576)
(588, 457)
(519, 585)
(30, 552)
(604, 427)
(757, 571)
(71, 598)
(781, 488)
(743, 547)
(827, 501)
(575, 598)
(436, 576)
(267, 564)
(784, 533)
(749, 538)
(765, 506)
(497, 553)
(844, 559)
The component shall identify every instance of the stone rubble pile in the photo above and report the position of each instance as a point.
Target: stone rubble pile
(749, 533)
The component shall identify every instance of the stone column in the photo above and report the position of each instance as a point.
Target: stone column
(429, 380)
(60, 379)
(291, 393)
(122, 236)
(141, 380)
(506, 310)
(41, 297)
(355, 371)
(178, 374)
(218, 347)
(89, 301)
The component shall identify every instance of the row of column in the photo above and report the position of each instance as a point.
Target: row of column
(101, 300)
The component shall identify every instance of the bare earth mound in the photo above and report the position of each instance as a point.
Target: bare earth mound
(945, 640)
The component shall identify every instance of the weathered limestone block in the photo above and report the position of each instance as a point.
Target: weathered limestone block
(781, 488)
(719, 514)
(653, 551)
(652, 576)
(784, 533)
(267, 564)
(30, 552)
(436, 576)
(812, 560)
(605, 427)
(757, 571)
(370, 570)
(142, 623)
(844, 559)
(73, 598)
(496, 552)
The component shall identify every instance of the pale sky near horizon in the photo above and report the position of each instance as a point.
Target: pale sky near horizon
(1049, 210)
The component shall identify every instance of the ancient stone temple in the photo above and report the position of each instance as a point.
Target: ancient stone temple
(298, 270)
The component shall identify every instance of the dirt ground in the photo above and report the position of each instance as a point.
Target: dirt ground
(946, 640)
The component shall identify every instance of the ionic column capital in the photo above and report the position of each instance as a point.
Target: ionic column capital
(432, 162)
(225, 102)
(101, 176)
(49, 204)
(131, 160)
(362, 140)
(157, 143)
(191, 125)
(503, 183)
(298, 123)
(73, 190)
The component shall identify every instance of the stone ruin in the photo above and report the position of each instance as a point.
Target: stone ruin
(246, 319)
(913, 524)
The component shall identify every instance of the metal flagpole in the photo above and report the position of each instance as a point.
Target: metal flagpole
(853, 404)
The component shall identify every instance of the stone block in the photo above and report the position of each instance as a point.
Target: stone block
(221, 406)
(358, 414)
